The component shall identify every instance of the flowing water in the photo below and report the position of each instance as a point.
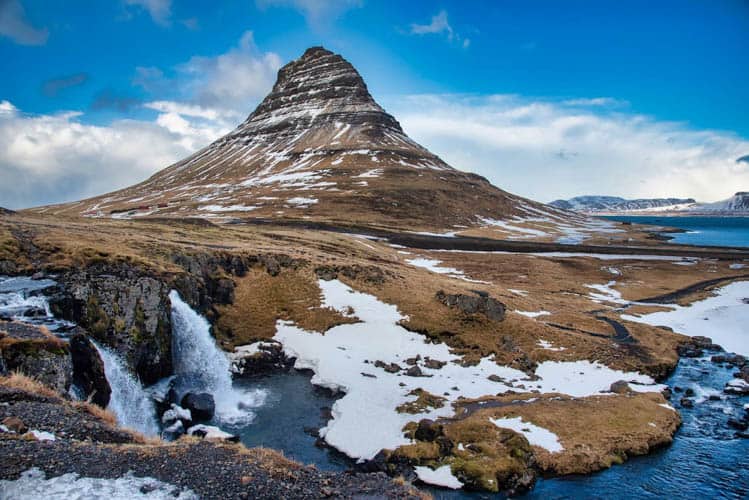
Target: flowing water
(129, 401)
(200, 366)
(283, 410)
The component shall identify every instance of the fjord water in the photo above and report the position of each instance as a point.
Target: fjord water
(712, 231)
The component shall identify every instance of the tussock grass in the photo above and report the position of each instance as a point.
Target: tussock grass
(23, 382)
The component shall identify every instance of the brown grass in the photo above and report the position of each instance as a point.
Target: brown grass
(23, 382)
(261, 299)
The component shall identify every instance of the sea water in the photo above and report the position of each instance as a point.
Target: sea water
(711, 231)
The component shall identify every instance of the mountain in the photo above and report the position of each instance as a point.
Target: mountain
(736, 203)
(317, 147)
(592, 204)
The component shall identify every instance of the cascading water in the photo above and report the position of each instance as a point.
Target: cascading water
(129, 402)
(201, 366)
(22, 299)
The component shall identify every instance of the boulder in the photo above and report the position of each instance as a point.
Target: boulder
(428, 430)
(414, 371)
(620, 387)
(201, 405)
(388, 367)
(88, 370)
(737, 386)
(474, 304)
(176, 414)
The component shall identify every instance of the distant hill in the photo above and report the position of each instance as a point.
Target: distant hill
(593, 204)
(737, 204)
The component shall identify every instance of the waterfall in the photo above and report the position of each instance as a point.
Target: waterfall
(129, 402)
(201, 366)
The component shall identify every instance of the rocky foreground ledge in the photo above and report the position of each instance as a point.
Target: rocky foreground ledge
(42, 430)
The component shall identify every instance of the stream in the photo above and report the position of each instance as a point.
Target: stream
(283, 410)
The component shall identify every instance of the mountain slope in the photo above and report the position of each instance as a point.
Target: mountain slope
(736, 203)
(317, 147)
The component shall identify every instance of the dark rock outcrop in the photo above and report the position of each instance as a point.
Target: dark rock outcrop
(124, 307)
(88, 370)
(201, 405)
(474, 304)
(35, 352)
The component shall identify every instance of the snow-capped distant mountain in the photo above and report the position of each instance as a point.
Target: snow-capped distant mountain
(736, 203)
(593, 204)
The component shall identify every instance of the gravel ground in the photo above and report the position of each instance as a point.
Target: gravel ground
(91, 448)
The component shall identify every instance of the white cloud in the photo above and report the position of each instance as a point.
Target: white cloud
(440, 25)
(14, 25)
(159, 10)
(232, 81)
(54, 158)
(318, 13)
(546, 149)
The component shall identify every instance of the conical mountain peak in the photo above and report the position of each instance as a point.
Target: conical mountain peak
(318, 88)
(317, 147)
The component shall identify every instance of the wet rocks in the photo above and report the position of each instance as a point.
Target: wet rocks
(474, 304)
(694, 347)
(259, 358)
(201, 405)
(737, 386)
(88, 370)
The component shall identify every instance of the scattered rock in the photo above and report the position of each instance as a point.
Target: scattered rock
(730, 359)
(739, 425)
(414, 371)
(434, 364)
(428, 430)
(689, 392)
(388, 367)
(200, 404)
(620, 387)
(471, 304)
(15, 424)
(259, 358)
(686, 403)
(737, 386)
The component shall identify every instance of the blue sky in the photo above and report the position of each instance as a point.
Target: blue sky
(671, 74)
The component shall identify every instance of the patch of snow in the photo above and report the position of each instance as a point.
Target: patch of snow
(737, 266)
(533, 314)
(42, 435)
(522, 293)
(545, 344)
(536, 436)
(224, 208)
(375, 172)
(433, 266)
(365, 419)
(441, 476)
(34, 484)
(606, 294)
(723, 318)
(301, 202)
(210, 432)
